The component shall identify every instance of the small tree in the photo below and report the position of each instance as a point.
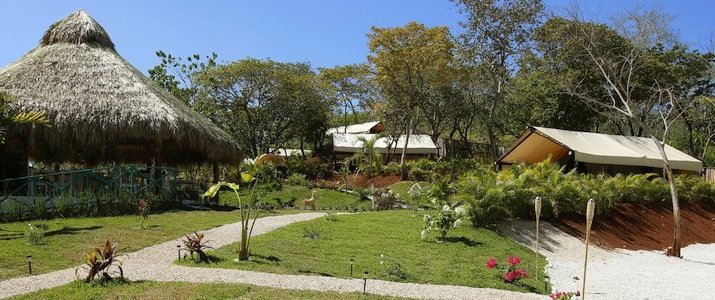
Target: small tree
(244, 250)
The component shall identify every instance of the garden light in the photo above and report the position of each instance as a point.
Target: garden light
(178, 250)
(364, 282)
(352, 262)
(590, 209)
(29, 264)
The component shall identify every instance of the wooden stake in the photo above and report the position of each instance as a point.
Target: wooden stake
(590, 209)
(537, 211)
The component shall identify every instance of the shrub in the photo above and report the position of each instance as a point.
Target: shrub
(450, 216)
(312, 232)
(196, 244)
(35, 234)
(393, 267)
(101, 261)
(331, 216)
(296, 179)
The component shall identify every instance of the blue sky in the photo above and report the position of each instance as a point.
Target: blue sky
(322, 32)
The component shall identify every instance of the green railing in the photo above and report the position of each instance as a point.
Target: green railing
(134, 180)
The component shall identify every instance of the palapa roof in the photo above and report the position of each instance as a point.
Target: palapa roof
(418, 143)
(537, 143)
(102, 109)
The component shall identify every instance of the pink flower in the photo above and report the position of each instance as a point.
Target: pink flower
(510, 277)
(521, 273)
(514, 260)
(491, 263)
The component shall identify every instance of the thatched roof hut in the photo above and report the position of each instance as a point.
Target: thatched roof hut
(103, 109)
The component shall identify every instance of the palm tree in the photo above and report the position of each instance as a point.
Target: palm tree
(6, 119)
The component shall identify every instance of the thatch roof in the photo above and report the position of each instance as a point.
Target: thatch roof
(103, 109)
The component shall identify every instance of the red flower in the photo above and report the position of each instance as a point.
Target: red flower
(514, 260)
(510, 277)
(491, 263)
(578, 294)
(521, 273)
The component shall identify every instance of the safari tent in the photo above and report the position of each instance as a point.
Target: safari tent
(595, 152)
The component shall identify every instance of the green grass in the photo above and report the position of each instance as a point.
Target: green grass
(461, 260)
(292, 196)
(68, 239)
(183, 290)
(401, 189)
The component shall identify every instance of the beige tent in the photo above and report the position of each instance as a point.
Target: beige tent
(595, 152)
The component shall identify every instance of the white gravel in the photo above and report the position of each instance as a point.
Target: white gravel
(622, 274)
(155, 263)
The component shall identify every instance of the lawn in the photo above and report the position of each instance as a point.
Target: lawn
(68, 239)
(402, 190)
(292, 196)
(183, 290)
(383, 243)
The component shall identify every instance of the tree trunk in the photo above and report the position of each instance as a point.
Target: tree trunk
(403, 169)
(492, 140)
(675, 250)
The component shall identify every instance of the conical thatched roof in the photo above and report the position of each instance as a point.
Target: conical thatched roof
(103, 109)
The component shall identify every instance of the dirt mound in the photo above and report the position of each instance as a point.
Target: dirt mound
(645, 227)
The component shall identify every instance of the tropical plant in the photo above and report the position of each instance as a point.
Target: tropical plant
(35, 234)
(450, 216)
(31, 117)
(331, 216)
(101, 262)
(368, 161)
(245, 207)
(196, 244)
(312, 232)
(143, 208)
(393, 267)
(512, 273)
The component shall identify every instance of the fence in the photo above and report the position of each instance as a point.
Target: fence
(112, 182)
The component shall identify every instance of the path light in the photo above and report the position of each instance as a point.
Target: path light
(29, 264)
(352, 262)
(537, 210)
(590, 209)
(178, 251)
(364, 282)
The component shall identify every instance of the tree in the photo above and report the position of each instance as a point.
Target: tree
(623, 70)
(264, 103)
(496, 32)
(176, 75)
(410, 63)
(350, 87)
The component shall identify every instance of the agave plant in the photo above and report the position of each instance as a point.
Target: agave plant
(101, 261)
(196, 244)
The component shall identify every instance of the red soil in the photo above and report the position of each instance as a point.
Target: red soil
(645, 227)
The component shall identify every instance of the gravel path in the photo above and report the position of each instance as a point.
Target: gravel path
(156, 263)
(621, 274)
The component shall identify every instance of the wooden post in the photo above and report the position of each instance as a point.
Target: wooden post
(590, 210)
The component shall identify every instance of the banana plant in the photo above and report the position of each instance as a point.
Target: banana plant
(30, 117)
(245, 207)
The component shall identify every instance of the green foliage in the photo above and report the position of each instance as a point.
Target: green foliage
(331, 216)
(393, 267)
(312, 232)
(367, 236)
(296, 179)
(495, 196)
(30, 117)
(35, 234)
(311, 168)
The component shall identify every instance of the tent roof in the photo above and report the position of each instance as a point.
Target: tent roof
(538, 142)
(102, 109)
(418, 144)
(354, 128)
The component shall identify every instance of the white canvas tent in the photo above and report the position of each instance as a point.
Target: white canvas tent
(594, 149)
(369, 127)
(350, 143)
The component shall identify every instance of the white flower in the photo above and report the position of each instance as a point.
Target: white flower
(457, 223)
(445, 207)
(423, 234)
(459, 210)
(426, 218)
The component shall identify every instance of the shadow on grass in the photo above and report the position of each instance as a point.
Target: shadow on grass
(270, 258)
(11, 236)
(462, 239)
(210, 259)
(71, 230)
(303, 271)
